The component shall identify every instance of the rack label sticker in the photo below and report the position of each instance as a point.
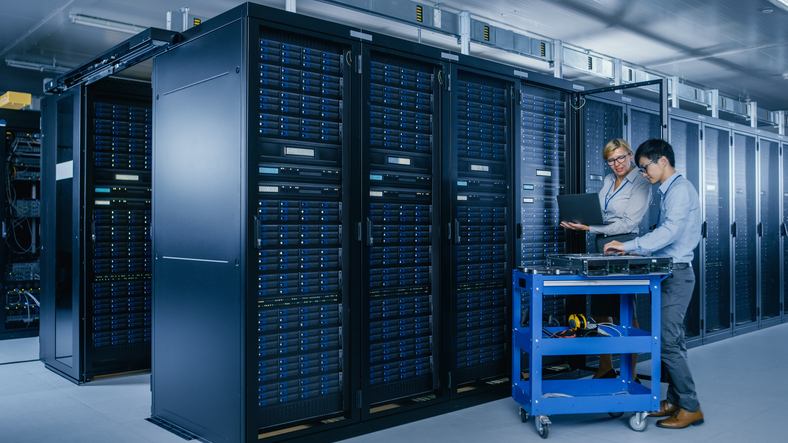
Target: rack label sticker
(462, 197)
(127, 177)
(269, 170)
(64, 170)
(528, 187)
(528, 200)
(710, 187)
(481, 168)
(543, 173)
(301, 152)
(102, 202)
(399, 161)
(268, 189)
(376, 193)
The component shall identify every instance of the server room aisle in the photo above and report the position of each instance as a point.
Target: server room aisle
(741, 383)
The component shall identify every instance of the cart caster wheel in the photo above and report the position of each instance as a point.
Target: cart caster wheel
(542, 425)
(615, 414)
(638, 421)
(523, 415)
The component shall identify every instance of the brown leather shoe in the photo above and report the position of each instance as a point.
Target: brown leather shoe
(682, 419)
(666, 409)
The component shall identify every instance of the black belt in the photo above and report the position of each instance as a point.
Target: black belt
(681, 266)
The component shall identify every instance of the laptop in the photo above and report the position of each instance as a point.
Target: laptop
(580, 208)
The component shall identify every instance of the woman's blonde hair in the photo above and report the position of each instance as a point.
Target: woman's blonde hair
(614, 144)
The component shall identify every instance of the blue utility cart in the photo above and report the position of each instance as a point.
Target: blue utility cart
(541, 398)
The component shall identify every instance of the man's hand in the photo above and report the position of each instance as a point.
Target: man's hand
(615, 247)
(574, 226)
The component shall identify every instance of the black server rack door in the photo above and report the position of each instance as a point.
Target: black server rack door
(784, 226)
(542, 173)
(644, 126)
(744, 228)
(769, 228)
(300, 106)
(199, 217)
(602, 122)
(685, 139)
(400, 200)
(60, 272)
(481, 214)
(717, 241)
(117, 287)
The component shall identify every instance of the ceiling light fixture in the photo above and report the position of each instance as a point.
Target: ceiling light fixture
(102, 23)
(40, 67)
(781, 3)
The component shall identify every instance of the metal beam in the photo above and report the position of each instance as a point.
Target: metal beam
(141, 47)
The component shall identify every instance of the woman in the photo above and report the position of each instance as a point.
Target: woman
(625, 197)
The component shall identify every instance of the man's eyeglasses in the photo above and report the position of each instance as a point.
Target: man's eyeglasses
(619, 159)
(644, 166)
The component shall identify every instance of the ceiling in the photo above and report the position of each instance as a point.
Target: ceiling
(730, 45)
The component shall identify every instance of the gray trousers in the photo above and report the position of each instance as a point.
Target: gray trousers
(676, 295)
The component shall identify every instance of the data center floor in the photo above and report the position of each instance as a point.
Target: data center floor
(741, 383)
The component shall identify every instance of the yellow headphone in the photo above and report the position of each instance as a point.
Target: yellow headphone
(578, 321)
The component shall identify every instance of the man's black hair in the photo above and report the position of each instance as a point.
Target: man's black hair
(655, 148)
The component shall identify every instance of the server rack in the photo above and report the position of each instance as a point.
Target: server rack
(768, 229)
(783, 228)
(716, 239)
(20, 188)
(480, 214)
(269, 180)
(96, 317)
(331, 231)
(685, 138)
(744, 229)
(401, 271)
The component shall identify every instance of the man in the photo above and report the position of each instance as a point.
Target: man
(676, 236)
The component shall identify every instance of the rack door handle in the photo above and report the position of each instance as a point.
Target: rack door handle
(369, 232)
(457, 237)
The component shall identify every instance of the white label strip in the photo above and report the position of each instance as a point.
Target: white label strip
(521, 74)
(482, 168)
(399, 161)
(462, 197)
(64, 170)
(543, 173)
(450, 56)
(268, 189)
(361, 35)
(127, 177)
(301, 152)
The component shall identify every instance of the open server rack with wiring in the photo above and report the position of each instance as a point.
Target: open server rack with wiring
(20, 247)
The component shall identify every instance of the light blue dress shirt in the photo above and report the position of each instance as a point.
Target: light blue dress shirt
(678, 229)
(623, 208)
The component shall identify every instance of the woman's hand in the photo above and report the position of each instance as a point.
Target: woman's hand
(574, 226)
